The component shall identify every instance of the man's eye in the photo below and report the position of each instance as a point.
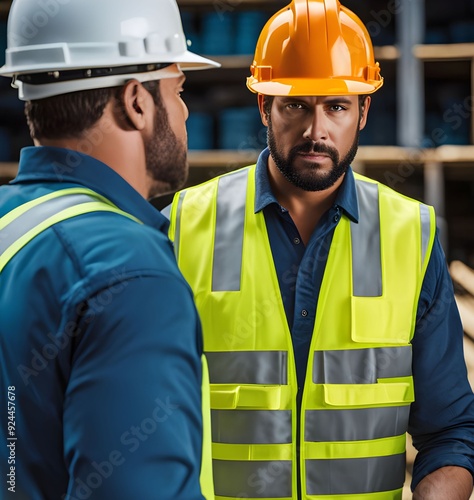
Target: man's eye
(296, 105)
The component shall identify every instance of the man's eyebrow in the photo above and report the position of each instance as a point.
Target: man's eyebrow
(328, 100)
(337, 100)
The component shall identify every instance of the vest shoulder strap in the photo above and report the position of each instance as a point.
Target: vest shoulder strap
(21, 225)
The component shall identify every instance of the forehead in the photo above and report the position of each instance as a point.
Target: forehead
(173, 82)
(171, 76)
(347, 99)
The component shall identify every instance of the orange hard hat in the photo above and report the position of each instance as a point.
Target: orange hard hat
(314, 47)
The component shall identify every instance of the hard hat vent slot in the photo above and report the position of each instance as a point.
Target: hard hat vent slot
(154, 44)
(174, 44)
(131, 48)
(265, 73)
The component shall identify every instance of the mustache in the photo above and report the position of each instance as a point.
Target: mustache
(315, 147)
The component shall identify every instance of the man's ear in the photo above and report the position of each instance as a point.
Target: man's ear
(364, 112)
(134, 102)
(263, 115)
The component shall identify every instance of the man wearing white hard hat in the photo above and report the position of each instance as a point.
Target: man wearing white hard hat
(103, 383)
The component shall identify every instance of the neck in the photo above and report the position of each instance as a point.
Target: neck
(305, 207)
(121, 150)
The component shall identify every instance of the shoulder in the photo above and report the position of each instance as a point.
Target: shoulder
(202, 197)
(212, 184)
(109, 240)
(385, 190)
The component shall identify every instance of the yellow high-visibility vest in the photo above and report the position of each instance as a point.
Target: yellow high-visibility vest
(21, 225)
(359, 384)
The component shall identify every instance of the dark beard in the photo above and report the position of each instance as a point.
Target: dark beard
(166, 157)
(311, 181)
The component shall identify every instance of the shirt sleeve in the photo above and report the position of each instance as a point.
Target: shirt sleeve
(132, 410)
(442, 415)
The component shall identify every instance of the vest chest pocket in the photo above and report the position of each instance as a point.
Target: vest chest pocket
(255, 397)
(381, 321)
(364, 395)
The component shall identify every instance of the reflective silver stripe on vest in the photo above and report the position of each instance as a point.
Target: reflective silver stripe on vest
(177, 232)
(355, 475)
(229, 237)
(248, 367)
(166, 211)
(425, 231)
(251, 426)
(252, 479)
(365, 237)
(361, 366)
(36, 215)
(355, 424)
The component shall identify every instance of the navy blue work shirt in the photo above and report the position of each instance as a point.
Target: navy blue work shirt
(442, 416)
(102, 343)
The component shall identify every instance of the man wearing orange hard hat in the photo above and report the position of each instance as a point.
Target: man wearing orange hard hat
(329, 321)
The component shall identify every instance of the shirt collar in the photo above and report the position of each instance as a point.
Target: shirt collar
(65, 166)
(346, 198)
(263, 192)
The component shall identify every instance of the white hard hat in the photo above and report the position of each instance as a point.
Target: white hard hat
(60, 46)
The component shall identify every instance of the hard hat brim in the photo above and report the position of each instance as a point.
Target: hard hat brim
(28, 92)
(187, 61)
(191, 61)
(313, 87)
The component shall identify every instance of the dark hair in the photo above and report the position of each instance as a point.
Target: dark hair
(153, 88)
(268, 101)
(267, 104)
(70, 115)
